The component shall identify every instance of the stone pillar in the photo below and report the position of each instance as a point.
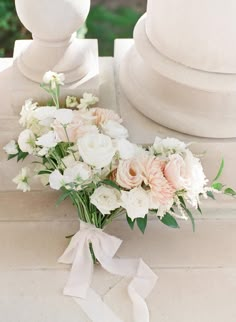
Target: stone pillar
(54, 47)
(181, 70)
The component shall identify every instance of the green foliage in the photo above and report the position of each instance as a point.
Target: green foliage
(103, 23)
(169, 221)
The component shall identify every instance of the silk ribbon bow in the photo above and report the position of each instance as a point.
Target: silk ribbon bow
(104, 247)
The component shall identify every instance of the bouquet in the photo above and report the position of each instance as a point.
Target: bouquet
(83, 151)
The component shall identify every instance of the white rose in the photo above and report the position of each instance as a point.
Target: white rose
(11, 148)
(126, 149)
(96, 149)
(48, 140)
(115, 130)
(64, 116)
(106, 199)
(26, 141)
(135, 202)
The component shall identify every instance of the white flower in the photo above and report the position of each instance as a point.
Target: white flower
(87, 100)
(125, 148)
(48, 140)
(42, 152)
(71, 102)
(69, 161)
(96, 149)
(135, 202)
(106, 199)
(11, 148)
(64, 116)
(54, 79)
(26, 141)
(168, 146)
(115, 130)
(27, 112)
(45, 114)
(57, 180)
(22, 180)
(79, 172)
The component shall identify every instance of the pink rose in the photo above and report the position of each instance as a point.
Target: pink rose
(129, 174)
(175, 172)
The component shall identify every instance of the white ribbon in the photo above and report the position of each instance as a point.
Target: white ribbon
(104, 247)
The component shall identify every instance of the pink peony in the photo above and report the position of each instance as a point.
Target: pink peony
(161, 191)
(129, 174)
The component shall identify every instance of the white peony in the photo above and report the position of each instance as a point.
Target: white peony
(115, 130)
(11, 148)
(135, 202)
(64, 116)
(54, 79)
(57, 180)
(168, 146)
(48, 140)
(26, 141)
(96, 149)
(45, 115)
(106, 199)
(125, 148)
(22, 180)
(186, 173)
(87, 100)
(27, 113)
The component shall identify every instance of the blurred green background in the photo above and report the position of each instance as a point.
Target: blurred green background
(106, 22)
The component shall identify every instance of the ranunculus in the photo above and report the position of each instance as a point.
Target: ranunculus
(125, 148)
(106, 199)
(48, 140)
(103, 115)
(11, 148)
(96, 149)
(186, 173)
(115, 130)
(129, 174)
(161, 190)
(135, 202)
(26, 141)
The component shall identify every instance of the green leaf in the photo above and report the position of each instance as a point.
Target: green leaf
(218, 186)
(110, 183)
(181, 199)
(230, 191)
(130, 222)
(169, 221)
(220, 170)
(210, 195)
(142, 223)
(188, 212)
(44, 172)
(22, 156)
(199, 209)
(12, 156)
(62, 197)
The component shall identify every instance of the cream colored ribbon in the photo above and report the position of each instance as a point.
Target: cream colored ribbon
(105, 247)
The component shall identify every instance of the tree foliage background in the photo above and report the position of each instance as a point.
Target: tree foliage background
(105, 22)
